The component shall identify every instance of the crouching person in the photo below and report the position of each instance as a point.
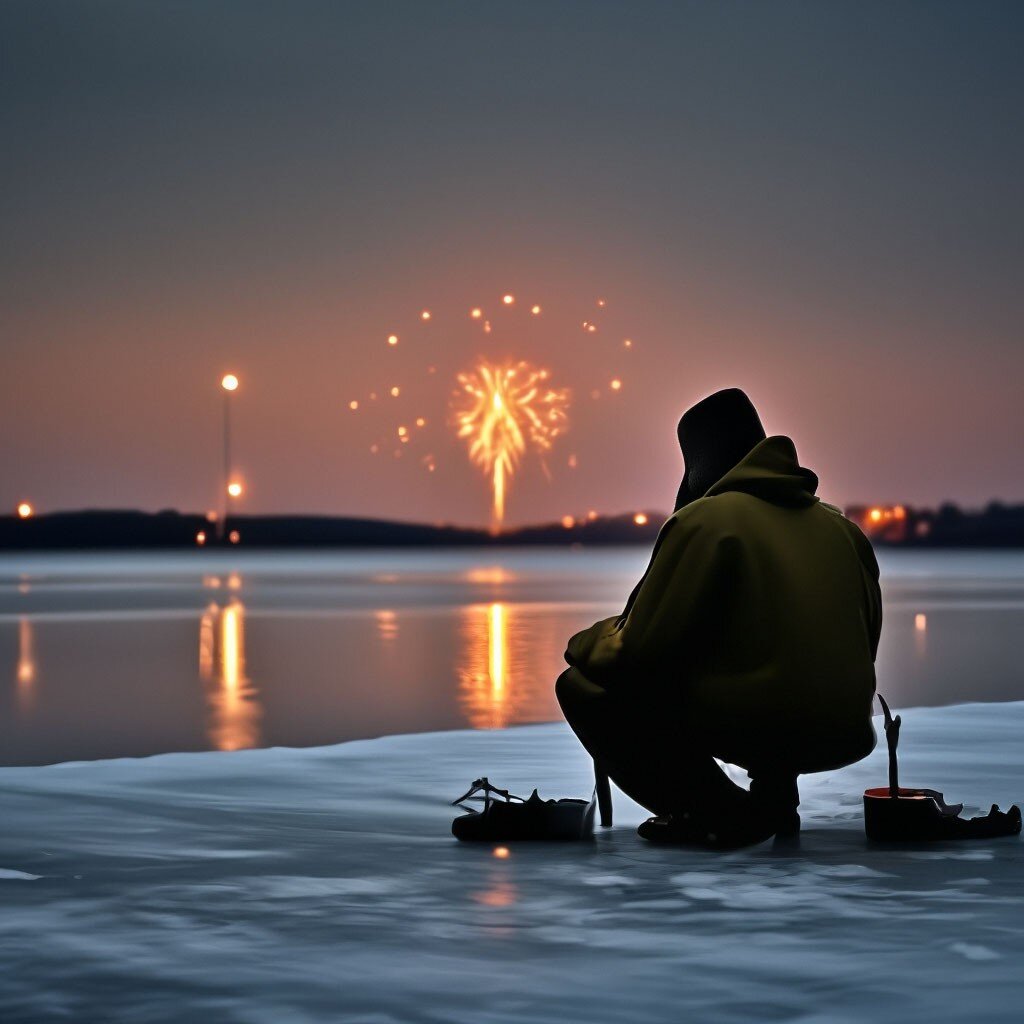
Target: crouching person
(751, 638)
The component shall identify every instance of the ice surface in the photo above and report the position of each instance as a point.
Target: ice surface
(282, 886)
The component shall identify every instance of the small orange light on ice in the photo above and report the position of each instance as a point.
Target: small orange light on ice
(875, 515)
(501, 852)
(568, 522)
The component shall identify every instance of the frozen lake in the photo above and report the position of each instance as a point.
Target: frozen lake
(123, 655)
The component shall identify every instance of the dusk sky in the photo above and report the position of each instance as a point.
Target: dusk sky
(817, 202)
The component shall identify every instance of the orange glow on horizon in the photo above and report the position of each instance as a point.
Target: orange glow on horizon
(568, 522)
(640, 519)
(25, 510)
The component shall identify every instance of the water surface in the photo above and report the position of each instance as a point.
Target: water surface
(132, 654)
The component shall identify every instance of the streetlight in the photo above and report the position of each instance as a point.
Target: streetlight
(229, 384)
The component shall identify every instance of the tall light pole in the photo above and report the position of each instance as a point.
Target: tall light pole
(229, 384)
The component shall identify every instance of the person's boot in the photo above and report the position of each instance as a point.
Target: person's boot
(769, 809)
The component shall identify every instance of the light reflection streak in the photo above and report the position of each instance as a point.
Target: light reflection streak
(25, 674)
(387, 624)
(506, 670)
(234, 708)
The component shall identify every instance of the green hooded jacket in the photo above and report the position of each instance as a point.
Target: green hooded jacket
(757, 622)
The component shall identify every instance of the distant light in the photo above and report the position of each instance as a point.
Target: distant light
(394, 392)
(374, 448)
(601, 303)
(476, 312)
(229, 382)
(571, 462)
(640, 519)
(234, 536)
(920, 622)
(402, 431)
(535, 310)
(201, 538)
(392, 339)
(591, 328)
(595, 393)
(487, 327)
(235, 489)
(627, 343)
(353, 405)
(425, 315)
(899, 512)
(431, 369)
(875, 515)
(211, 516)
(420, 421)
(591, 515)
(508, 299)
(568, 522)
(616, 385)
(501, 852)
(25, 510)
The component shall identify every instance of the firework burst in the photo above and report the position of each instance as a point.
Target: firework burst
(502, 412)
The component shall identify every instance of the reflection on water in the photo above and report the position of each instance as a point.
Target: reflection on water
(504, 667)
(387, 624)
(921, 634)
(100, 653)
(25, 674)
(232, 700)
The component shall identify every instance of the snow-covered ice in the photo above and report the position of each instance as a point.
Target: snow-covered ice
(302, 886)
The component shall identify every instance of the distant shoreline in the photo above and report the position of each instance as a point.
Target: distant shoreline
(997, 526)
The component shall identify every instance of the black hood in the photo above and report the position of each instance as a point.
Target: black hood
(715, 435)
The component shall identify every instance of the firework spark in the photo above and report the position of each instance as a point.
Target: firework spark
(503, 411)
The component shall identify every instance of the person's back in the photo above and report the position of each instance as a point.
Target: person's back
(786, 672)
